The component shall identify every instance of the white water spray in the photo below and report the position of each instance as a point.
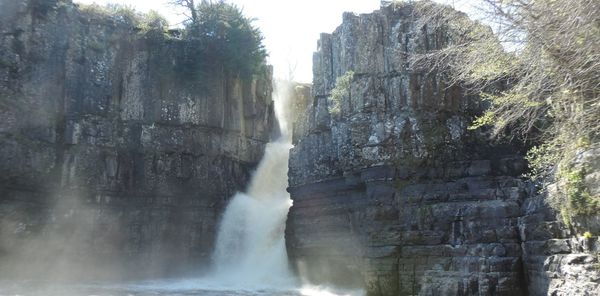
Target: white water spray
(250, 250)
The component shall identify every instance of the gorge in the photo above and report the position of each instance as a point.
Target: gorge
(125, 156)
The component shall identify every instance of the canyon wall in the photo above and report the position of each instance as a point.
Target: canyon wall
(392, 190)
(116, 148)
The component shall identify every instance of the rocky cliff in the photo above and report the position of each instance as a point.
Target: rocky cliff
(392, 190)
(116, 148)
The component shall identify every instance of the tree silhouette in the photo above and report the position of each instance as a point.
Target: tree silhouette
(189, 5)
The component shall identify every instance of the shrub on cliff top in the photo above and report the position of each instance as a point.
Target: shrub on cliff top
(41, 7)
(150, 24)
(124, 14)
(228, 35)
(153, 24)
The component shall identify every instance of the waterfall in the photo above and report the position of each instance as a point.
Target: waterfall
(250, 248)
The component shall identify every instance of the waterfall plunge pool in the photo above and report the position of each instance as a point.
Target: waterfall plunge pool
(182, 287)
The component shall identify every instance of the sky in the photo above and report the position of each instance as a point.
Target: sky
(291, 27)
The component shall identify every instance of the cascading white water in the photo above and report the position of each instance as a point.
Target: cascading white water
(250, 249)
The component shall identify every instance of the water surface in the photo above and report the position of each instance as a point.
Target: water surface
(188, 287)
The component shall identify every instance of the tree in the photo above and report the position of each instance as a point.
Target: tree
(229, 35)
(189, 5)
(153, 24)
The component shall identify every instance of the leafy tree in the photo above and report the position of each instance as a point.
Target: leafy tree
(124, 14)
(153, 24)
(228, 35)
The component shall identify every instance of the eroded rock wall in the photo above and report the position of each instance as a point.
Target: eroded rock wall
(392, 191)
(559, 257)
(112, 149)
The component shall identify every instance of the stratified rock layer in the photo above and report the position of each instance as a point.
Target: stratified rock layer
(392, 191)
(113, 148)
(557, 257)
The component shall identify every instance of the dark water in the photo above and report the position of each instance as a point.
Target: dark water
(190, 287)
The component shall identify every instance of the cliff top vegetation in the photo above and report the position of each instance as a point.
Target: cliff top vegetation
(220, 30)
(544, 92)
(228, 32)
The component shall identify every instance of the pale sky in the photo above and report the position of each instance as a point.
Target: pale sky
(291, 27)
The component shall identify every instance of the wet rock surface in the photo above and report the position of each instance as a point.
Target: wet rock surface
(392, 190)
(111, 148)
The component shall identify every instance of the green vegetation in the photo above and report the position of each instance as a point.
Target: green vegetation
(579, 201)
(220, 36)
(341, 90)
(566, 216)
(230, 37)
(42, 7)
(4, 63)
(400, 184)
(95, 46)
(153, 24)
(124, 14)
(545, 91)
(150, 24)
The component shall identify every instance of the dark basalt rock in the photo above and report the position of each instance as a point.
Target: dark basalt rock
(395, 194)
(111, 152)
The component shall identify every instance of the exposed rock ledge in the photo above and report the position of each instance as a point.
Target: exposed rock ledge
(111, 153)
(394, 192)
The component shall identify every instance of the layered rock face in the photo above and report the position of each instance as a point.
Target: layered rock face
(113, 150)
(392, 191)
(558, 257)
